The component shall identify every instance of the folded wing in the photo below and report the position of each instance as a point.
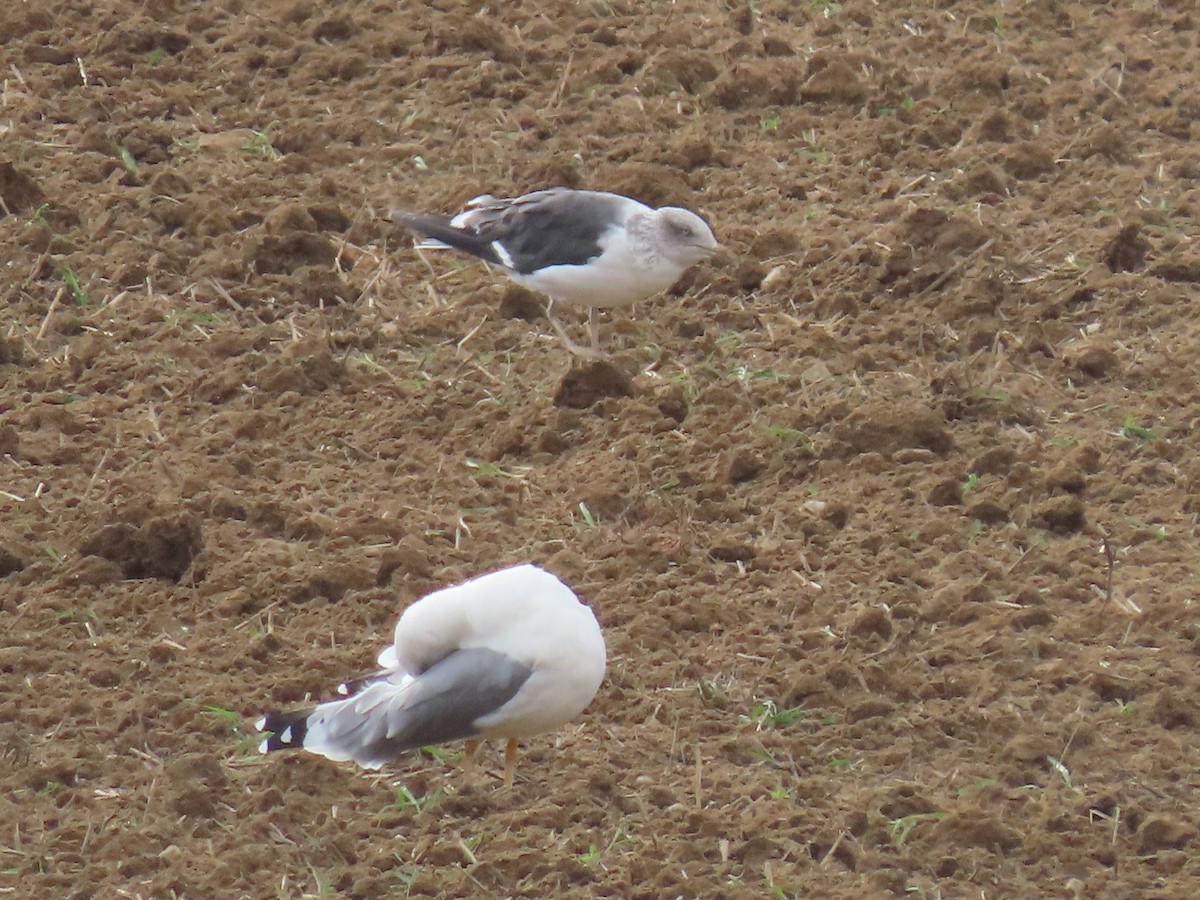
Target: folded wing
(403, 712)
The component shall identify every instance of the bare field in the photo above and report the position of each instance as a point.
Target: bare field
(890, 520)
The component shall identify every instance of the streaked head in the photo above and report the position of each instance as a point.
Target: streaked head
(684, 237)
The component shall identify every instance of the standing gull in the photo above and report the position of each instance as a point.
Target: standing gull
(511, 654)
(587, 247)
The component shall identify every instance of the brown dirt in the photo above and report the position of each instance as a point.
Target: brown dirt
(848, 490)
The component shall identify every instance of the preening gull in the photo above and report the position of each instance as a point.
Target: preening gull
(592, 248)
(510, 654)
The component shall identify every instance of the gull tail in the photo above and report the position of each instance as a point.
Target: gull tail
(440, 233)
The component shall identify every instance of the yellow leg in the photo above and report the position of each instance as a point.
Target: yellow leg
(510, 761)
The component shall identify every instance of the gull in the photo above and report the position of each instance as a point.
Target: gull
(591, 248)
(510, 654)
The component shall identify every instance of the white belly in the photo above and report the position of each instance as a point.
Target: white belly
(620, 276)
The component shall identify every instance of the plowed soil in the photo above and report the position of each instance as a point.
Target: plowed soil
(890, 515)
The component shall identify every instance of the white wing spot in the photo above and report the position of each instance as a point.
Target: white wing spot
(503, 254)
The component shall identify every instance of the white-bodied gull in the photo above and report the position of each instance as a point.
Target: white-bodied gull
(510, 654)
(591, 248)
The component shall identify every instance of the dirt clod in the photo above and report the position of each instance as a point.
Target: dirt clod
(1127, 250)
(1066, 477)
(837, 82)
(585, 385)
(1096, 362)
(887, 511)
(886, 428)
(1161, 832)
(159, 548)
(947, 493)
(10, 562)
(1062, 515)
(519, 303)
(743, 466)
(19, 192)
(284, 254)
(977, 829)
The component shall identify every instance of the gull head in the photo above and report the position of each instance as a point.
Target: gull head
(683, 237)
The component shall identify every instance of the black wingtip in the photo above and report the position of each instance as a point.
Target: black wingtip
(438, 228)
(284, 731)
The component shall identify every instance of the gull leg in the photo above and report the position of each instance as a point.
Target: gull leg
(594, 329)
(592, 352)
(469, 752)
(510, 761)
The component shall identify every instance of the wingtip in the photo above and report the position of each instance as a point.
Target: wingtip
(283, 731)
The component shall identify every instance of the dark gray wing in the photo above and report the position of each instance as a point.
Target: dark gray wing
(558, 227)
(385, 719)
(555, 227)
(451, 695)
